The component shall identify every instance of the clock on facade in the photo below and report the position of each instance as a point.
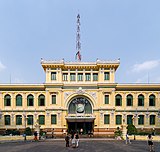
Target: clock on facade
(80, 108)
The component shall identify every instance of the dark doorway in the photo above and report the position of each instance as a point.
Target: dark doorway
(77, 126)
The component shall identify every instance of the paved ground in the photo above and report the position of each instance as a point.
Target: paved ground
(84, 146)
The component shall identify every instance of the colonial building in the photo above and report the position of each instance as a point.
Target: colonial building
(79, 95)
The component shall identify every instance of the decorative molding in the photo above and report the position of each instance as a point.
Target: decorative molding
(80, 91)
(93, 94)
(66, 94)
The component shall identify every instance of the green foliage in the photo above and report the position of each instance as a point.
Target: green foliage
(12, 132)
(131, 129)
(118, 132)
(28, 131)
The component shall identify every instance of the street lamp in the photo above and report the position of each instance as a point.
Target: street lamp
(25, 119)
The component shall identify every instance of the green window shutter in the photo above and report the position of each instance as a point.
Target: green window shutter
(53, 99)
(151, 100)
(118, 119)
(106, 119)
(72, 76)
(88, 77)
(30, 100)
(152, 119)
(41, 100)
(141, 120)
(53, 119)
(18, 120)
(7, 100)
(95, 76)
(30, 120)
(53, 75)
(41, 119)
(118, 100)
(7, 120)
(140, 100)
(129, 119)
(106, 99)
(18, 100)
(106, 76)
(65, 76)
(129, 100)
(80, 76)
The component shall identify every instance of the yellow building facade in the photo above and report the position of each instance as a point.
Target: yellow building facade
(79, 96)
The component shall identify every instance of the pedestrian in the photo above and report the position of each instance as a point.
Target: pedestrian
(67, 140)
(35, 135)
(77, 140)
(74, 141)
(81, 131)
(72, 136)
(127, 139)
(44, 135)
(150, 142)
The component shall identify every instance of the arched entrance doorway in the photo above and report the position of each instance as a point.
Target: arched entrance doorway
(80, 115)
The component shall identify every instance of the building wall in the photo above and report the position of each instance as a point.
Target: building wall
(65, 91)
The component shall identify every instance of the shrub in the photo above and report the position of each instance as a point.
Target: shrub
(28, 131)
(118, 132)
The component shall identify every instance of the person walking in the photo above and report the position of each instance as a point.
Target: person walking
(127, 139)
(35, 136)
(74, 141)
(77, 140)
(150, 142)
(67, 140)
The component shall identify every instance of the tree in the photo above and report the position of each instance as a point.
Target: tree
(131, 129)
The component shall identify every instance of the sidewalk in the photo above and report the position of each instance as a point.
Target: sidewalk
(6, 139)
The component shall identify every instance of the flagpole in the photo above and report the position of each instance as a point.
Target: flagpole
(78, 43)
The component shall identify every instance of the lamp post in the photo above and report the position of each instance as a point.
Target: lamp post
(25, 119)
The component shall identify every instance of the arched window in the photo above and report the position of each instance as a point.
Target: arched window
(152, 100)
(18, 120)
(80, 105)
(129, 119)
(7, 100)
(118, 100)
(41, 100)
(7, 120)
(30, 100)
(118, 119)
(18, 100)
(141, 120)
(141, 100)
(129, 100)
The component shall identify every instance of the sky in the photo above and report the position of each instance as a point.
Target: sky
(110, 29)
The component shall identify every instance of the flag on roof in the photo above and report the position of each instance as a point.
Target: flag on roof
(78, 56)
